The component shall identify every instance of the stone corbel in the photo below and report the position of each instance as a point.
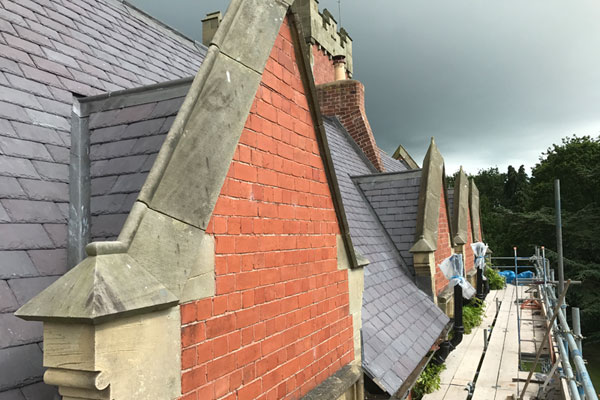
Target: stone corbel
(78, 384)
(424, 264)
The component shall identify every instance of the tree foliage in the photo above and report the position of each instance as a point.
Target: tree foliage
(517, 210)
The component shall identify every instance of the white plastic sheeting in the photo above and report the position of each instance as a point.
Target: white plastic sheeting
(479, 249)
(454, 270)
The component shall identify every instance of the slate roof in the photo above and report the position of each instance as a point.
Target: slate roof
(49, 51)
(391, 164)
(124, 142)
(399, 322)
(395, 199)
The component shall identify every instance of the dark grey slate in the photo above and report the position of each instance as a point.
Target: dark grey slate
(8, 303)
(50, 50)
(16, 332)
(16, 264)
(395, 312)
(12, 395)
(20, 365)
(25, 288)
(49, 262)
(394, 198)
(40, 391)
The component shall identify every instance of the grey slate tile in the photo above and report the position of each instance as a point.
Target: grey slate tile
(48, 120)
(58, 234)
(32, 211)
(45, 191)
(40, 391)
(49, 262)
(16, 332)
(52, 171)
(59, 154)
(17, 167)
(37, 133)
(21, 148)
(20, 365)
(14, 112)
(16, 264)
(8, 302)
(25, 288)
(15, 394)
(24, 236)
(9, 65)
(28, 85)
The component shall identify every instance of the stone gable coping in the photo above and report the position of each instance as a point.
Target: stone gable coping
(460, 208)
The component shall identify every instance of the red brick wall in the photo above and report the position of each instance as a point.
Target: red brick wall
(346, 100)
(444, 249)
(469, 255)
(323, 70)
(279, 323)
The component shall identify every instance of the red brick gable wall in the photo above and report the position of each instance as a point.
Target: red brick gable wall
(469, 255)
(323, 70)
(444, 248)
(279, 324)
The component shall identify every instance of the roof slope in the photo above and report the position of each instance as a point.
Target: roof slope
(400, 323)
(395, 199)
(390, 164)
(50, 50)
(124, 142)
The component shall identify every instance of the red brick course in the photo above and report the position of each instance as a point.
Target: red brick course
(346, 100)
(323, 70)
(279, 324)
(469, 255)
(444, 248)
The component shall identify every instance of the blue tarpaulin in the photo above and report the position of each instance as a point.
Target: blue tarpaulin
(510, 275)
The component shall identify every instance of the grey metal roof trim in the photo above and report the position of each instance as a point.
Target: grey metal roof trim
(135, 96)
(400, 322)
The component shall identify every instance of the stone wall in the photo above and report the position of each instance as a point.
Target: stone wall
(279, 324)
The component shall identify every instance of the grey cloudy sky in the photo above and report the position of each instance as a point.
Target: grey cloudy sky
(495, 82)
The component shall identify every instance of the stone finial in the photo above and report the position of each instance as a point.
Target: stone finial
(430, 194)
(460, 212)
(210, 24)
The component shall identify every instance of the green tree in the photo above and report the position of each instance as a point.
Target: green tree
(576, 162)
(518, 211)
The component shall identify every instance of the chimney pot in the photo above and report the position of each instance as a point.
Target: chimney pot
(339, 65)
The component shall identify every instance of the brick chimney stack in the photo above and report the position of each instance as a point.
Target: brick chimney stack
(345, 99)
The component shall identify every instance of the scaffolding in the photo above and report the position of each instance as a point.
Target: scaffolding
(565, 350)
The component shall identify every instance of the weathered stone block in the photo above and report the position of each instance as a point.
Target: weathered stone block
(242, 41)
(205, 144)
(169, 249)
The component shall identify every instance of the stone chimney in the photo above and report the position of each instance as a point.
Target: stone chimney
(209, 26)
(325, 40)
(345, 99)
